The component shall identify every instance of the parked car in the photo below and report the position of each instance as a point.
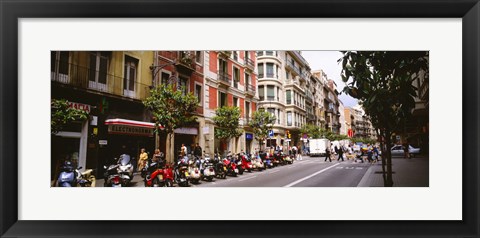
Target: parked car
(399, 150)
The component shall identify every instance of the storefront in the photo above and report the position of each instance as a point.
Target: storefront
(248, 142)
(187, 136)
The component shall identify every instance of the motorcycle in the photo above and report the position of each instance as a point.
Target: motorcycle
(68, 175)
(288, 159)
(246, 162)
(220, 168)
(86, 178)
(156, 174)
(125, 169)
(267, 161)
(207, 168)
(194, 171)
(231, 167)
(240, 166)
(257, 163)
(111, 175)
(181, 173)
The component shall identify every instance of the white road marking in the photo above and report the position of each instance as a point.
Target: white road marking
(359, 168)
(274, 171)
(309, 176)
(247, 178)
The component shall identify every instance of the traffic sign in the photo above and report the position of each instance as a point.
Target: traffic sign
(270, 133)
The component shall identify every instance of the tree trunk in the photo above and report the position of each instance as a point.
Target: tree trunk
(168, 149)
(384, 155)
(389, 181)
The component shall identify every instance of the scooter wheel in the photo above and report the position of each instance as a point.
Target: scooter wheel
(209, 179)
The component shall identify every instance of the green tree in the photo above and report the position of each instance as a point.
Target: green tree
(227, 120)
(62, 114)
(171, 109)
(261, 123)
(382, 81)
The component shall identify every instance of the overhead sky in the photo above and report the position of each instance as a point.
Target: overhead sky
(327, 61)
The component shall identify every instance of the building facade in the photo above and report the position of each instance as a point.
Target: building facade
(230, 80)
(110, 86)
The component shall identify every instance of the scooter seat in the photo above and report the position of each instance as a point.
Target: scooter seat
(87, 172)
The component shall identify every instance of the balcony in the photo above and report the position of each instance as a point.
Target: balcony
(250, 90)
(250, 64)
(83, 78)
(224, 78)
(185, 63)
(224, 54)
(292, 67)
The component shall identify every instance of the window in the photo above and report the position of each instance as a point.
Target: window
(97, 77)
(247, 82)
(235, 102)
(278, 94)
(247, 55)
(247, 110)
(289, 97)
(289, 118)
(271, 111)
(260, 70)
(59, 66)
(165, 78)
(236, 77)
(278, 117)
(259, 53)
(269, 53)
(270, 92)
(183, 85)
(130, 76)
(235, 55)
(261, 93)
(278, 71)
(198, 93)
(223, 99)
(198, 56)
(270, 72)
(222, 70)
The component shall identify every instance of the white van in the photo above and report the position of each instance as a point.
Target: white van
(318, 146)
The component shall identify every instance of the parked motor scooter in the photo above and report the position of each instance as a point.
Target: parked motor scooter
(257, 163)
(111, 176)
(86, 178)
(125, 169)
(220, 167)
(207, 168)
(246, 162)
(68, 175)
(238, 161)
(231, 167)
(181, 172)
(153, 174)
(267, 161)
(194, 171)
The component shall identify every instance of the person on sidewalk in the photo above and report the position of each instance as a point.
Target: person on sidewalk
(142, 159)
(340, 154)
(327, 155)
(294, 152)
(406, 152)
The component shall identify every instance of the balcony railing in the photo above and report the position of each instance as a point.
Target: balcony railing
(224, 77)
(293, 67)
(250, 64)
(85, 78)
(250, 89)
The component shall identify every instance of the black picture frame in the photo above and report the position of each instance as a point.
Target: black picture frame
(11, 11)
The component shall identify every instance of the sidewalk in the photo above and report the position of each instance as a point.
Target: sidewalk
(412, 172)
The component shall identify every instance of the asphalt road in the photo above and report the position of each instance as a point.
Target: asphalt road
(309, 172)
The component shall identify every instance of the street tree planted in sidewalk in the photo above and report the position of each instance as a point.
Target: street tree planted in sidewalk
(171, 109)
(227, 120)
(63, 114)
(383, 83)
(262, 121)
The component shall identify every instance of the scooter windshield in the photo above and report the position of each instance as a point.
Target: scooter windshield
(124, 159)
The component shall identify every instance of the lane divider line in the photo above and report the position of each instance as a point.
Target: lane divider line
(248, 178)
(309, 176)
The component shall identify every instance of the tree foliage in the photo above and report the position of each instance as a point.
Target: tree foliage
(170, 107)
(317, 132)
(62, 114)
(227, 121)
(262, 121)
(383, 82)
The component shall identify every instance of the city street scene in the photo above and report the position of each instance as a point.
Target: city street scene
(239, 119)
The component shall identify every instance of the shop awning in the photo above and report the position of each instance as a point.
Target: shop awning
(125, 122)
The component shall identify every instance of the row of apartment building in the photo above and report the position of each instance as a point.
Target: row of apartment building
(111, 86)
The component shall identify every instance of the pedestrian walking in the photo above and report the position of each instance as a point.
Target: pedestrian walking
(375, 153)
(142, 159)
(294, 152)
(370, 156)
(327, 155)
(406, 152)
(340, 154)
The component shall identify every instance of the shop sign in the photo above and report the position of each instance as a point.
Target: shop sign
(249, 136)
(102, 142)
(130, 130)
(79, 106)
(187, 131)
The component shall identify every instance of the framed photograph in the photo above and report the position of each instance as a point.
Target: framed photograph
(224, 53)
